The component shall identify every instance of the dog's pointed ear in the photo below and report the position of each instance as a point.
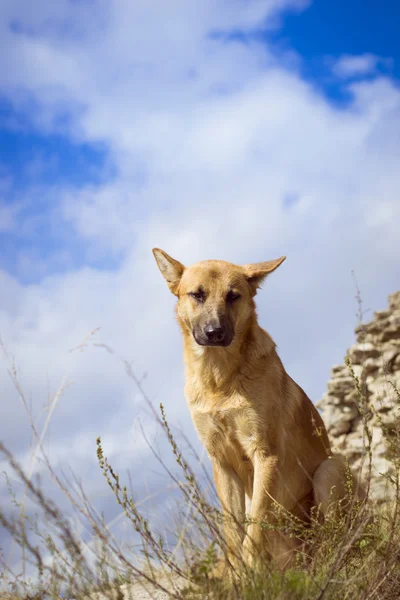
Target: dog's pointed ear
(256, 273)
(171, 269)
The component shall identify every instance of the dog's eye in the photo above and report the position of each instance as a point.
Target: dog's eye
(232, 296)
(199, 296)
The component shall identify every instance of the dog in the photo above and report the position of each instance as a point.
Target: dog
(266, 440)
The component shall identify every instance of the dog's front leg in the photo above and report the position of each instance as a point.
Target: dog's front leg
(259, 542)
(231, 493)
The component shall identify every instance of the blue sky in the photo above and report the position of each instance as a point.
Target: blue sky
(57, 156)
(335, 28)
(318, 34)
(241, 131)
(326, 30)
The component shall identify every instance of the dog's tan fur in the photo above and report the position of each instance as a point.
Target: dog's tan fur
(266, 440)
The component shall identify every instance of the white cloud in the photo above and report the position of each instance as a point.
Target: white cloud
(208, 137)
(349, 66)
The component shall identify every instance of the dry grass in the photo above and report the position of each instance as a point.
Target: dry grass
(349, 557)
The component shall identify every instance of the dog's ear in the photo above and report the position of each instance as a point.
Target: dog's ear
(256, 273)
(171, 269)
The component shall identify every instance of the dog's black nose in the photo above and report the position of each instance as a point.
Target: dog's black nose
(214, 333)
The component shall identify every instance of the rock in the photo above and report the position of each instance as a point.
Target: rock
(338, 420)
(390, 333)
(340, 385)
(360, 352)
(381, 314)
(342, 369)
(394, 301)
(371, 365)
(375, 359)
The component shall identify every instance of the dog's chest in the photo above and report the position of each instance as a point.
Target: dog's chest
(231, 432)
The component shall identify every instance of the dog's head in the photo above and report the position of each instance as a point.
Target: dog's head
(215, 298)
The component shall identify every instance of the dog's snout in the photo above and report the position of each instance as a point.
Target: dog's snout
(215, 333)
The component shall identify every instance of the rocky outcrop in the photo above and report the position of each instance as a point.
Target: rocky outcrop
(346, 409)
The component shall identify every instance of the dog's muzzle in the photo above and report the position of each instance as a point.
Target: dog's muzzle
(214, 334)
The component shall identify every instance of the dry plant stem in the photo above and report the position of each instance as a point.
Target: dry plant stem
(39, 439)
(363, 410)
(191, 498)
(341, 553)
(195, 498)
(379, 585)
(389, 542)
(68, 538)
(200, 503)
(12, 371)
(360, 392)
(130, 509)
(91, 510)
(50, 511)
(62, 487)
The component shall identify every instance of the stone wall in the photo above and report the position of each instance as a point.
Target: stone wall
(375, 358)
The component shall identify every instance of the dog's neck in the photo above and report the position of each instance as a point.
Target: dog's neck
(220, 369)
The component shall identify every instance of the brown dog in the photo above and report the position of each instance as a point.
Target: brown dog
(265, 438)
